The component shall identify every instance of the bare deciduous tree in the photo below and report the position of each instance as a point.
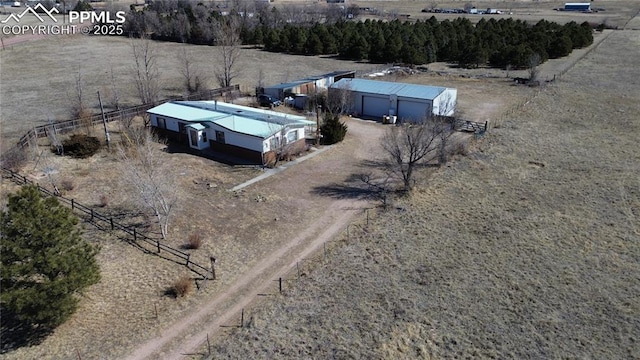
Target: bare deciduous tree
(533, 62)
(340, 99)
(227, 35)
(194, 79)
(147, 176)
(115, 99)
(409, 145)
(145, 70)
(79, 110)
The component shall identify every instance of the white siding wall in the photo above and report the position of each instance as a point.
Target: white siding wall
(233, 138)
(445, 103)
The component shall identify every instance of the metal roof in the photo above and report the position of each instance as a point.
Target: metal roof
(388, 88)
(237, 118)
(310, 79)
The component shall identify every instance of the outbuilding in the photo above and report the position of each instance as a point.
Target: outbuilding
(308, 85)
(409, 102)
(254, 135)
(585, 7)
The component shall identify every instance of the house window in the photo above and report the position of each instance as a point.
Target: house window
(162, 123)
(204, 136)
(220, 137)
(292, 136)
(274, 143)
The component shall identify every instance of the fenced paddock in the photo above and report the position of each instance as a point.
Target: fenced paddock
(129, 234)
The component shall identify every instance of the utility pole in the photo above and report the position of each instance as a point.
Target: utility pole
(104, 121)
(318, 125)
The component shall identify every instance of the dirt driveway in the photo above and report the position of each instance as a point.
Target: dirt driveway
(332, 167)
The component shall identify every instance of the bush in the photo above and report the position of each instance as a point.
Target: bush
(333, 130)
(14, 159)
(81, 146)
(67, 185)
(195, 241)
(104, 200)
(181, 287)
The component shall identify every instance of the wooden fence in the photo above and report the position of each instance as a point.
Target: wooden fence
(61, 127)
(471, 126)
(143, 242)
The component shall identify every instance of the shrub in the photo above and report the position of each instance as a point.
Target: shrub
(81, 146)
(104, 200)
(67, 185)
(181, 287)
(195, 241)
(13, 159)
(333, 130)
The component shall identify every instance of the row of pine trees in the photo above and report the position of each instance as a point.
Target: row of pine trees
(503, 42)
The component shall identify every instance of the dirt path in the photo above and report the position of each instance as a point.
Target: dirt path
(188, 334)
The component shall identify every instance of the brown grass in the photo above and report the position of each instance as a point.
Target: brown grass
(491, 244)
(494, 256)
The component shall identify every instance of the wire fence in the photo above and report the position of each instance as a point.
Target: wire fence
(351, 233)
(143, 242)
(66, 126)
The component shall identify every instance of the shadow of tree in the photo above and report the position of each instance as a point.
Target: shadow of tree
(15, 333)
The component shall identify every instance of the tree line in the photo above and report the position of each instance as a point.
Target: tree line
(500, 43)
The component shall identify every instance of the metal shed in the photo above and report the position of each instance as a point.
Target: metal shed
(409, 102)
(308, 85)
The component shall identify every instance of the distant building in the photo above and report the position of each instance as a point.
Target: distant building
(309, 85)
(586, 7)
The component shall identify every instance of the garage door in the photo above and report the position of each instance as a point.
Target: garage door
(374, 106)
(412, 110)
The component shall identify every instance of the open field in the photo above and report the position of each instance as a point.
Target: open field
(528, 248)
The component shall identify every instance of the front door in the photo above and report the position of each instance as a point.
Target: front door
(193, 136)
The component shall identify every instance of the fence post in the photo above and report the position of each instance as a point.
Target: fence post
(242, 318)
(72, 204)
(486, 125)
(24, 179)
(208, 344)
(91, 214)
(348, 237)
(158, 245)
(188, 256)
(298, 267)
(111, 221)
(135, 236)
(280, 285)
(213, 269)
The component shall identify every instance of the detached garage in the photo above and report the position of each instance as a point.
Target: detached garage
(409, 102)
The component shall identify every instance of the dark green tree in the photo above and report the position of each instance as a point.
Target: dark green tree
(333, 130)
(45, 262)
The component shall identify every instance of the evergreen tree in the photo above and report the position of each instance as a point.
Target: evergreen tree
(45, 262)
(333, 130)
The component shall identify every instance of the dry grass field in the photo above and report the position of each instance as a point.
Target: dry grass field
(525, 248)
